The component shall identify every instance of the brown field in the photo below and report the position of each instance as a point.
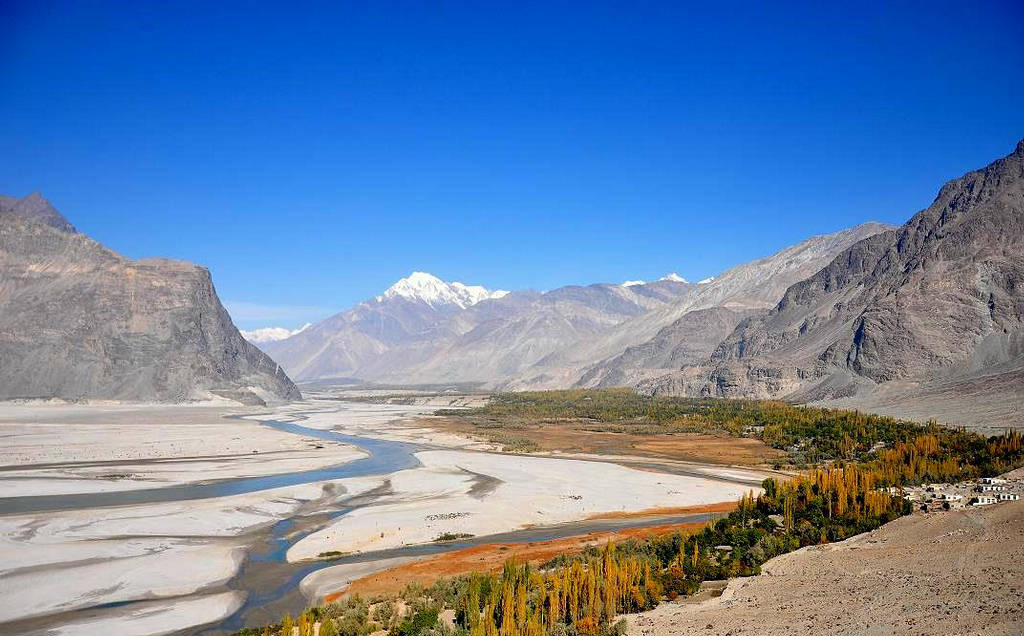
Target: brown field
(578, 436)
(744, 451)
(492, 556)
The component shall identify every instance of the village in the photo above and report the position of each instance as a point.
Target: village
(985, 491)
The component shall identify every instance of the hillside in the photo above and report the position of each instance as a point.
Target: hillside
(919, 310)
(756, 285)
(79, 321)
(942, 573)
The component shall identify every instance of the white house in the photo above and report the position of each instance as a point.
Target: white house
(990, 488)
(984, 500)
(1008, 496)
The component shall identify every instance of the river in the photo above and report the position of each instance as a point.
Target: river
(269, 582)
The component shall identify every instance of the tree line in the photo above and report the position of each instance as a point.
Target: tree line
(900, 452)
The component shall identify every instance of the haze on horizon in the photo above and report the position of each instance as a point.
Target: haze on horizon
(311, 160)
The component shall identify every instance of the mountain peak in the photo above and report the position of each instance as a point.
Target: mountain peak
(429, 289)
(674, 277)
(36, 209)
(271, 334)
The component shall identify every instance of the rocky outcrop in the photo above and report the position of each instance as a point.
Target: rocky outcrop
(935, 301)
(79, 321)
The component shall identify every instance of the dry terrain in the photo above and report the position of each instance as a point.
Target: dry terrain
(581, 436)
(959, 572)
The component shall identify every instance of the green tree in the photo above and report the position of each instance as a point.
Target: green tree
(327, 627)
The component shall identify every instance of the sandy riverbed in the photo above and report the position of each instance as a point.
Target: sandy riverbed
(485, 493)
(136, 569)
(66, 449)
(56, 563)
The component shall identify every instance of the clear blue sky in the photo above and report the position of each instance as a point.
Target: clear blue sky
(312, 154)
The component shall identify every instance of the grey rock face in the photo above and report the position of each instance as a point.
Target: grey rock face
(743, 289)
(688, 340)
(79, 321)
(935, 301)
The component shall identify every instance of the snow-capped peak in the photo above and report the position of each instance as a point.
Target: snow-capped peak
(674, 277)
(632, 283)
(433, 291)
(271, 334)
(709, 279)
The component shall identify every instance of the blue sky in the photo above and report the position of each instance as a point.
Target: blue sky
(311, 156)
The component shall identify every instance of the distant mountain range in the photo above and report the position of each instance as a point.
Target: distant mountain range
(923, 320)
(79, 321)
(909, 320)
(423, 330)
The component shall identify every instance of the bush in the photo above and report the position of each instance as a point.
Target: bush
(416, 624)
(384, 614)
(619, 628)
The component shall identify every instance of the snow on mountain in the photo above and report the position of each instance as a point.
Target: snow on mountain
(632, 283)
(271, 334)
(433, 291)
(674, 277)
(709, 279)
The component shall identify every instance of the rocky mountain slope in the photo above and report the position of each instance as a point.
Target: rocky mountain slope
(79, 321)
(757, 285)
(688, 340)
(921, 309)
(425, 331)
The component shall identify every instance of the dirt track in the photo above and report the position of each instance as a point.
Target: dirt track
(951, 573)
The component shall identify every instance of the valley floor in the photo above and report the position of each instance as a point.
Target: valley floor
(959, 572)
(153, 519)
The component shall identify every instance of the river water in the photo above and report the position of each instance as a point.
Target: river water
(383, 457)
